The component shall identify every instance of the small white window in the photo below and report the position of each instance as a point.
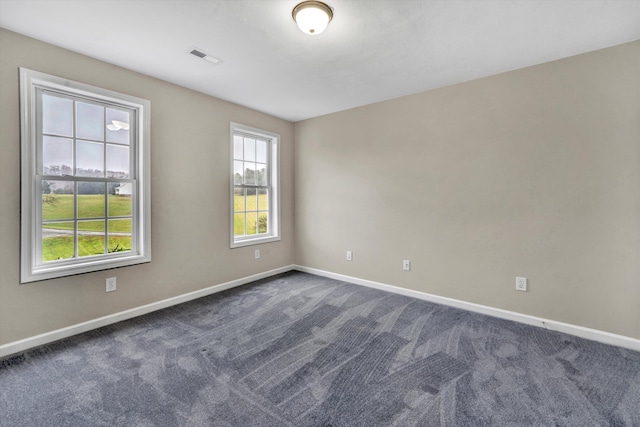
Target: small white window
(85, 178)
(255, 200)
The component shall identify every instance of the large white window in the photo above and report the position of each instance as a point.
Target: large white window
(85, 178)
(255, 200)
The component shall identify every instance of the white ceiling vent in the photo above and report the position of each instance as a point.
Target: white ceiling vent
(197, 52)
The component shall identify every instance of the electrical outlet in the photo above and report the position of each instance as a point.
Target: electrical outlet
(406, 265)
(349, 256)
(521, 284)
(257, 253)
(111, 284)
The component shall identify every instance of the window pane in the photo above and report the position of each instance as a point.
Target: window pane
(261, 151)
(250, 149)
(252, 218)
(90, 238)
(117, 161)
(76, 133)
(89, 159)
(238, 224)
(57, 115)
(238, 147)
(57, 155)
(120, 205)
(89, 121)
(57, 200)
(263, 199)
(119, 235)
(261, 174)
(118, 126)
(262, 222)
(237, 172)
(238, 200)
(249, 173)
(91, 199)
(57, 240)
(252, 201)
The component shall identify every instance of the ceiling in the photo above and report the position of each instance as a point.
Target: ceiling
(372, 50)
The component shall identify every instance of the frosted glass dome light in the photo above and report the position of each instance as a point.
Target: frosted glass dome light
(312, 17)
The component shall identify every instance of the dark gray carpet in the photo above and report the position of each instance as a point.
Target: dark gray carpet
(301, 350)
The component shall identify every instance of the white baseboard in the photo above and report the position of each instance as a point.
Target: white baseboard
(27, 343)
(579, 331)
(591, 334)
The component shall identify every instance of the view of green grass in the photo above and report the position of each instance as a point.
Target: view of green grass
(54, 248)
(61, 206)
(251, 218)
(61, 247)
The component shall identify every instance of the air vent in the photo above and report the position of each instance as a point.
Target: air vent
(200, 54)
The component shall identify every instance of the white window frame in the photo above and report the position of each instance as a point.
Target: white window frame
(31, 200)
(273, 168)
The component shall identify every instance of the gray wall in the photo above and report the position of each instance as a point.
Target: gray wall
(190, 197)
(533, 173)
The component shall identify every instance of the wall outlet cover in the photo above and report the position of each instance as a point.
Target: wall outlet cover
(406, 265)
(111, 284)
(349, 256)
(521, 284)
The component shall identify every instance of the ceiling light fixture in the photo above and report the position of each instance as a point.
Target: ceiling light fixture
(312, 17)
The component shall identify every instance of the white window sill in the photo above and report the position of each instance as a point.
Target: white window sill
(254, 241)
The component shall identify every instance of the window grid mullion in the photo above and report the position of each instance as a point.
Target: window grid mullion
(36, 163)
(105, 229)
(105, 223)
(244, 201)
(76, 225)
(74, 127)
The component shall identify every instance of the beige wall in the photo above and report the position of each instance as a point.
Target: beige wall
(533, 173)
(190, 197)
